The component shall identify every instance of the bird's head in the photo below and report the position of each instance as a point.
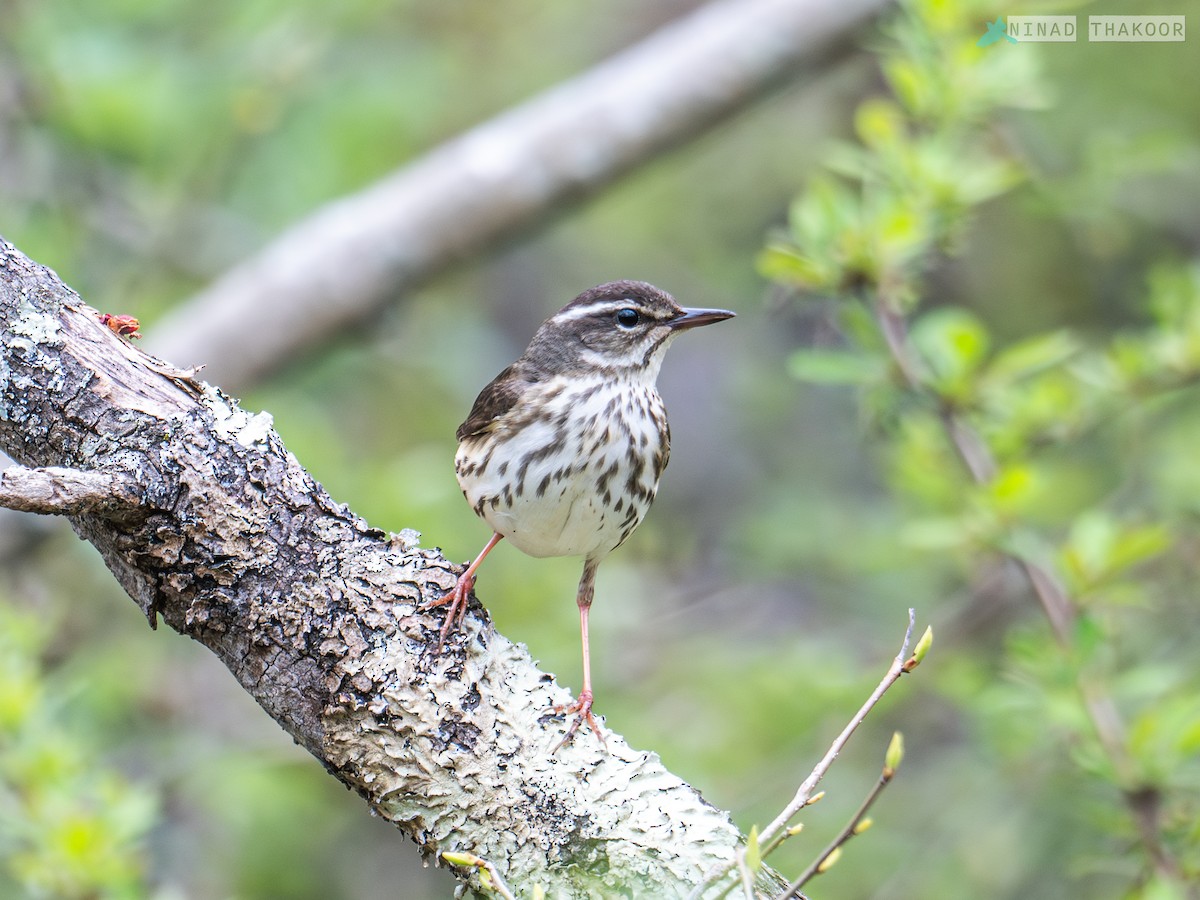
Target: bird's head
(621, 329)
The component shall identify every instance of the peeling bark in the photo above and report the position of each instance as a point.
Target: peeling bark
(320, 618)
(58, 491)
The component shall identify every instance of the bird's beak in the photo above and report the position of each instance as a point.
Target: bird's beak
(694, 318)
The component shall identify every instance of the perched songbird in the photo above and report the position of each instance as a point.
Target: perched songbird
(562, 453)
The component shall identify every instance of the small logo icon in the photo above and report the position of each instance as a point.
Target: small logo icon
(995, 31)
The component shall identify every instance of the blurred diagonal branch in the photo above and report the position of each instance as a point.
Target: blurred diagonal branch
(323, 619)
(350, 258)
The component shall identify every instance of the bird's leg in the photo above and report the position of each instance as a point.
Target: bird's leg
(582, 707)
(456, 597)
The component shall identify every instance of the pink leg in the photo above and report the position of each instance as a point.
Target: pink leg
(456, 598)
(582, 707)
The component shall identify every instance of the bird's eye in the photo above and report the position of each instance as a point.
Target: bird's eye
(628, 318)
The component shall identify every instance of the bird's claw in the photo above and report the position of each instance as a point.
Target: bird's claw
(456, 599)
(582, 708)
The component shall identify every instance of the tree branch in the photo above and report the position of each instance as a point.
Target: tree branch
(320, 618)
(68, 492)
(350, 258)
(857, 824)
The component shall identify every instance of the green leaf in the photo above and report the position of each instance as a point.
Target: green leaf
(895, 750)
(1090, 636)
(902, 230)
(1100, 548)
(753, 851)
(784, 264)
(1013, 488)
(1160, 887)
(822, 213)
(919, 654)
(879, 123)
(908, 83)
(953, 342)
(1137, 545)
(1089, 545)
(1033, 355)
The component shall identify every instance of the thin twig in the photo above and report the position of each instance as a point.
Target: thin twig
(806, 789)
(747, 879)
(773, 834)
(851, 829)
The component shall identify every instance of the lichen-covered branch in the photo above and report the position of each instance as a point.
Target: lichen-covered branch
(320, 618)
(55, 490)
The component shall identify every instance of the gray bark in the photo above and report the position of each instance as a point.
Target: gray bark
(216, 528)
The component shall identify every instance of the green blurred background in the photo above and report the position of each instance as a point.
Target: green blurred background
(144, 149)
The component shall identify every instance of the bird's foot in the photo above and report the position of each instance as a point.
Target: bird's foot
(456, 599)
(582, 708)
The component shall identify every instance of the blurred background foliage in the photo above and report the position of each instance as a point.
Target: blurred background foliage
(1037, 206)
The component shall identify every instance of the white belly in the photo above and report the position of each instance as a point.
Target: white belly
(579, 497)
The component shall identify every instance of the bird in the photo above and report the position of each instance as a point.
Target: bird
(562, 452)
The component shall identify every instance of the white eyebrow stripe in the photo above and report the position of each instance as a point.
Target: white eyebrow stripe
(582, 312)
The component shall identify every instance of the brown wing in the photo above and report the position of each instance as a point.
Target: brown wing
(496, 399)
